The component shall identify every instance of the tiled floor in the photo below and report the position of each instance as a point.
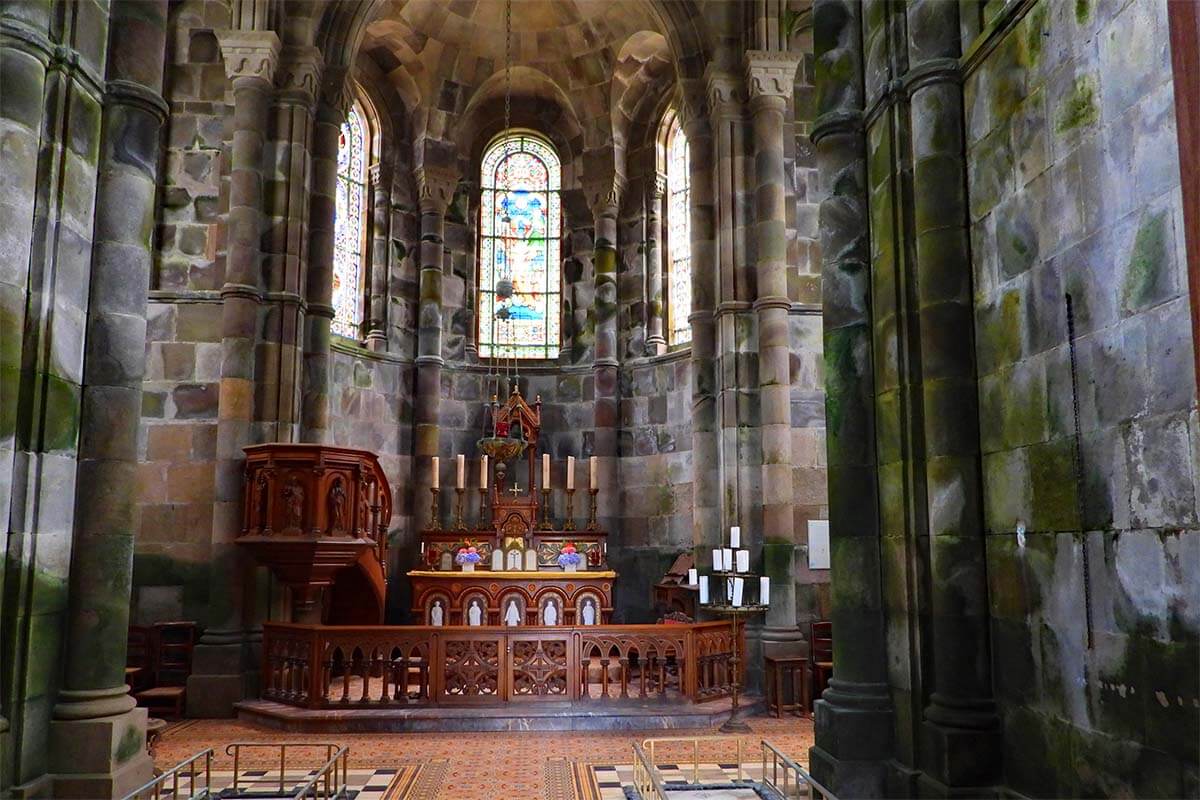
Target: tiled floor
(485, 766)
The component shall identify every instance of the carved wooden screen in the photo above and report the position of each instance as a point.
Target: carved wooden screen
(471, 668)
(540, 666)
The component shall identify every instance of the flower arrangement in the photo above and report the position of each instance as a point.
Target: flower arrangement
(569, 556)
(467, 555)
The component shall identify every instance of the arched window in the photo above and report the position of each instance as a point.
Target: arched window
(519, 218)
(679, 237)
(349, 230)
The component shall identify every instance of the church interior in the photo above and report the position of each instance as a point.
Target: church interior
(591, 399)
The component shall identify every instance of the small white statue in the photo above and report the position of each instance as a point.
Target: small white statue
(514, 560)
(435, 614)
(550, 613)
(512, 616)
(475, 614)
(589, 612)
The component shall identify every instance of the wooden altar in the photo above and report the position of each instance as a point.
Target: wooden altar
(514, 520)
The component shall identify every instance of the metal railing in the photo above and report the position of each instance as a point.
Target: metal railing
(330, 780)
(646, 779)
(787, 778)
(188, 771)
(694, 741)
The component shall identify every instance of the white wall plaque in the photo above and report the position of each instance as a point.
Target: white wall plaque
(818, 544)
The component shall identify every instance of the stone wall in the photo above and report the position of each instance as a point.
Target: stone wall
(1074, 190)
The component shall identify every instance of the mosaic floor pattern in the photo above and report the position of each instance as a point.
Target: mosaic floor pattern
(486, 766)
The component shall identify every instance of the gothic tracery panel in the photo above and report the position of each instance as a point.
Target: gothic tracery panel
(349, 231)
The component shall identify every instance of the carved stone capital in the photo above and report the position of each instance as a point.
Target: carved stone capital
(726, 93)
(658, 189)
(249, 54)
(299, 73)
(336, 92)
(771, 74)
(436, 187)
(603, 194)
(378, 173)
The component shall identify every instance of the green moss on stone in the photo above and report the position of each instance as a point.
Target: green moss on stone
(1034, 36)
(130, 745)
(1083, 11)
(1080, 109)
(61, 416)
(1147, 263)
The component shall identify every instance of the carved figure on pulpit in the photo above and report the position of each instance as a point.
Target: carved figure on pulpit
(550, 613)
(512, 614)
(337, 507)
(293, 498)
(475, 614)
(588, 613)
(436, 613)
(513, 559)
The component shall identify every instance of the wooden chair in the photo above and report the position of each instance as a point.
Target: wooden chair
(139, 657)
(173, 645)
(820, 639)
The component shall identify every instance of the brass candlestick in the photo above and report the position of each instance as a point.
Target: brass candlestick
(591, 525)
(546, 526)
(459, 525)
(434, 510)
(569, 524)
(482, 507)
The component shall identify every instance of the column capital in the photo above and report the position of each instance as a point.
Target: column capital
(249, 54)
(771, 74)
(436, 186)
(379, 173)
(335, 92)
(658, 187)
(726, 93)
(299, 73)
(603, 194)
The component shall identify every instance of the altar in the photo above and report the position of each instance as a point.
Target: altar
(512, 565)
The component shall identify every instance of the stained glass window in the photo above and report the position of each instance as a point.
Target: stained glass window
(519, 287)
(679, 237)
(349, 226)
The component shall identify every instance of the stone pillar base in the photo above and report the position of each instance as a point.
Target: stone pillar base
(958, 761)
(854, 740)
(218, 680)
(102, 757)
(859, 779)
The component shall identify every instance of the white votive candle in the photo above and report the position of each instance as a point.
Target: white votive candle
(764, 590)
(483, 472)
(704, 590)
(727, 559)
(718, 561)
(735, 537)
(692, 577)
(570, 472)
(437, 479)
(592, 480)
(461, 471)
(743, 560)
(739, 586)
(545, 470)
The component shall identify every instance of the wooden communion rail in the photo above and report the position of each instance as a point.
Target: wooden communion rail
(332, 667)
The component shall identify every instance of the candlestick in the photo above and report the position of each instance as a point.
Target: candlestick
(434, 511)
(569, 523)
(735, 537)
(483, 472)
(462, 471)
(459, 525)
(591, 525)
(546, 526)
(545, 471)
(570, 474)
(437, 478)
(592, 474)
(483, 506)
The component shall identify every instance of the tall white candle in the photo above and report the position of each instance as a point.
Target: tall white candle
(462, 470)
(718, 561)
(735, 537)
(704, 590)
(727, 559)
(570, 472)
(739, 588)
(483, 472)
(437, 478)
(545, 470)
(743, 560)
(764, 590)
(692, 577)
(592, 473)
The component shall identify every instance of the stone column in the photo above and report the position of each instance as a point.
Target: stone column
(436, 186)
(381, 216)
(218, 677)
(961, 729)
(604, 198)
(286, 193)
(656, 342)
(770, 79)
(853, 717)
(98, 736)
(706, 481)
(332, 108)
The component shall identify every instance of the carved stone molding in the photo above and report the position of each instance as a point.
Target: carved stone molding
(249, 54)
(435, 186)
(603, 194)
(659, 188)
(726, 93)
(299, 73)
(771, 74)
(336, 92)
